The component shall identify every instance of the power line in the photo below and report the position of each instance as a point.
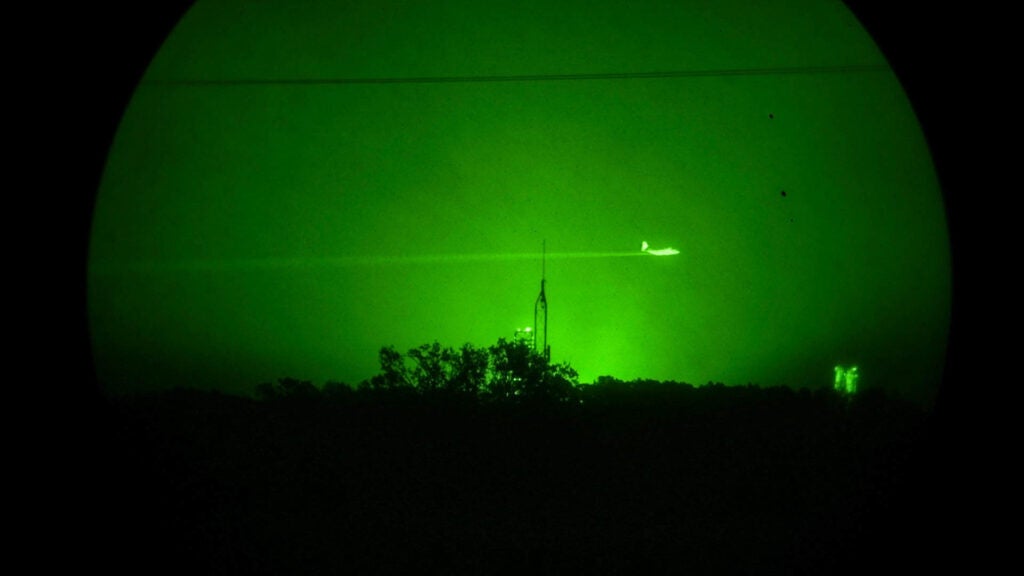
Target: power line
(777, 71)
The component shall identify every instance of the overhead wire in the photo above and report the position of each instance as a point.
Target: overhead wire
(719, 72)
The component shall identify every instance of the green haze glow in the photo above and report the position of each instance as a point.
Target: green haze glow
(294, 186)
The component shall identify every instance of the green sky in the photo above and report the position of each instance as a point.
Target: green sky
(259, 217)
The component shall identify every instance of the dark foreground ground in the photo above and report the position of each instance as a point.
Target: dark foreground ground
(709, 480)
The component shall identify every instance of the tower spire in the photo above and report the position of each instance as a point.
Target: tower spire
(540, 308)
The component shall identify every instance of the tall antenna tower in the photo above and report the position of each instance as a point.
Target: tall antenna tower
(540, 309)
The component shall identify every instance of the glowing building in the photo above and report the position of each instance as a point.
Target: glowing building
(525, 335)
(846, 380)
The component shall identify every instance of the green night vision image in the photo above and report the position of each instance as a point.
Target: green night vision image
(518, 286)
(292, 188)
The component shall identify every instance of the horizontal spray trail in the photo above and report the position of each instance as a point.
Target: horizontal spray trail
(464, 258)
(234, 264)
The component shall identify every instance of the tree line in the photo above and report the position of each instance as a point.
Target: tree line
(512, 372)
(508, 371)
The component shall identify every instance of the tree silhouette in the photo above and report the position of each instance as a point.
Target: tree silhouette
(432, 367)
(337, 391)
(469, 370)
(518, 372)
(287, 388)
(513, 363)
(508, 371)
(394, 374)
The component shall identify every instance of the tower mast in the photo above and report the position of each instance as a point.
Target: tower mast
(540, 309)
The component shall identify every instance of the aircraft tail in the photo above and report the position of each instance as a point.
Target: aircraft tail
(643, 247)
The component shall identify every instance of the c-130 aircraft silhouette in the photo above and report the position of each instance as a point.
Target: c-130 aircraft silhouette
(659, 252)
